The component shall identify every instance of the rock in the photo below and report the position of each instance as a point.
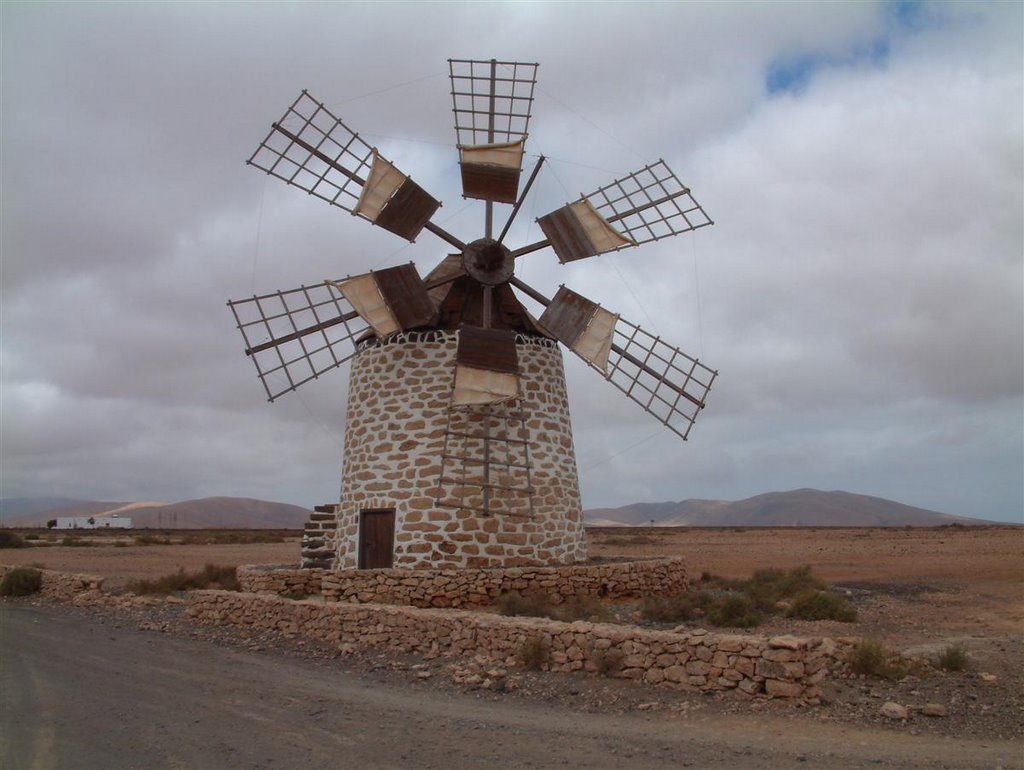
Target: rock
(647, 706)
(787, 642)
(934, 710)
(675, 673)
(423, 675)
(893, 710)
(988, 677)
(776, 688)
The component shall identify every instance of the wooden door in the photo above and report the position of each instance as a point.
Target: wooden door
(376, 539)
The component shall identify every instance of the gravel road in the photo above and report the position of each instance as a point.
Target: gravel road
(84, 690)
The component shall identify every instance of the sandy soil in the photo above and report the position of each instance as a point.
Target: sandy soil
(118, 565)
(911, 585)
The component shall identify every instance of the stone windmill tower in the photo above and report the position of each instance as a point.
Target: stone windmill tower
(458, 444)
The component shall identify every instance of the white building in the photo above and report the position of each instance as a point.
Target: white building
(94, 522)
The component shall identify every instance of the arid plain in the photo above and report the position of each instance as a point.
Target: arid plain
(917, 590)
(912, 586)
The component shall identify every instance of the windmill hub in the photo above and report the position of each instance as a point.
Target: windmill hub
(488, 261)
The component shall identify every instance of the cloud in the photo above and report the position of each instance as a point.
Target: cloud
(860, 292)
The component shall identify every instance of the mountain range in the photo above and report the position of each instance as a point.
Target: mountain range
(796, 508)
(205, 513)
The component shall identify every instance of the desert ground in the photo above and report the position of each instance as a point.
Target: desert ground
(917, 590)
(913, 587)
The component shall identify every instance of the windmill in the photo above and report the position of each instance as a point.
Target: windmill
(458, 444)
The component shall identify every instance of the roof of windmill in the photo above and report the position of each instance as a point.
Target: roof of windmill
(460, 302)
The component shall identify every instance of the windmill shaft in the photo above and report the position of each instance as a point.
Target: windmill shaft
(444, 235)
(531, 248)
(522, 197)
(649, 205)
(529, 291)
(302, 333)
(490, 117)
(648, 370)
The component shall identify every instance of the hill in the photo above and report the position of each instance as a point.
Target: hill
(205, 513)
(13, 507)
(797, 508)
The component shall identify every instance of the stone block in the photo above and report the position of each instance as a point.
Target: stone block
(788, 642)
(777, 688)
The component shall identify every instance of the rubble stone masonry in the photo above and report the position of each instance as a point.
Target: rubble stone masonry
(782, 666)
(777, 667)
(470, 587)
(398, 415)
(63, 586)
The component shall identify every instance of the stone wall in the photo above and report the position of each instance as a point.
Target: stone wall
(63, 585)
(283, 580)
(470, 587)
(783, 666)
(396, 426)
(319, 538)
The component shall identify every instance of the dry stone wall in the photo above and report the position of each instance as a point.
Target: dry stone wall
(470, 587)
(399, 394)
(63, 585)
(782, 666)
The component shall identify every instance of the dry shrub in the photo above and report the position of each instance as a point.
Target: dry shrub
(589, 608)
(534, 653)
(630, 540)
(733, 610)
(953, 658)
(869, 657)
(530, 604)
(820, 605)
(21, 581)
(210, 576)
(10, 539)
(151, 540)
(673, 609)
(768, 587)
(233, 538)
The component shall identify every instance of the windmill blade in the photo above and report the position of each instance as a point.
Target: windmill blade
(295, 336)
(647, 205)
(315, 151)
(391, 300)
(670, 385)
(486, 367)
(492, 101)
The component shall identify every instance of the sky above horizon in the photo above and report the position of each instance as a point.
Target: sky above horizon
(861, 293)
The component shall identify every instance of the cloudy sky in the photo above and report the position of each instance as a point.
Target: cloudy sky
(860, 293)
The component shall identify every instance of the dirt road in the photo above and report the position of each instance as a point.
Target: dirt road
(87, 691)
